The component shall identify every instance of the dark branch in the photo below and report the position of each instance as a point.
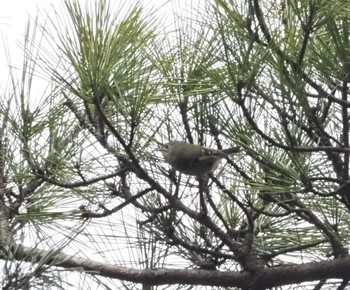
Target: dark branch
(268, 277)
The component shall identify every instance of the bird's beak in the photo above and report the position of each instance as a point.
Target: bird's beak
(162, 148)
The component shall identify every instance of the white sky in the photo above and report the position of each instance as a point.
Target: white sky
(14, 15)
(13, 18)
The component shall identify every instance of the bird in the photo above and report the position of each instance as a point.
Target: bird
(193, 159)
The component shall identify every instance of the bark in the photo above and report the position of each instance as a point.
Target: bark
(265, 278)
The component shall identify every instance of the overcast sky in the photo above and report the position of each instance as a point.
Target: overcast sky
(14, 15)
(13, 18)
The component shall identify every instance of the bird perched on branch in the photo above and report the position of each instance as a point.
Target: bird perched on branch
(193, 159)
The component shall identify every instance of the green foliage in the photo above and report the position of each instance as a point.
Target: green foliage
(81, 172)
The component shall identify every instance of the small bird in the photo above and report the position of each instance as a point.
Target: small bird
(193, 159)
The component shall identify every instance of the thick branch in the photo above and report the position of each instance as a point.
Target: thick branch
(267, 277)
